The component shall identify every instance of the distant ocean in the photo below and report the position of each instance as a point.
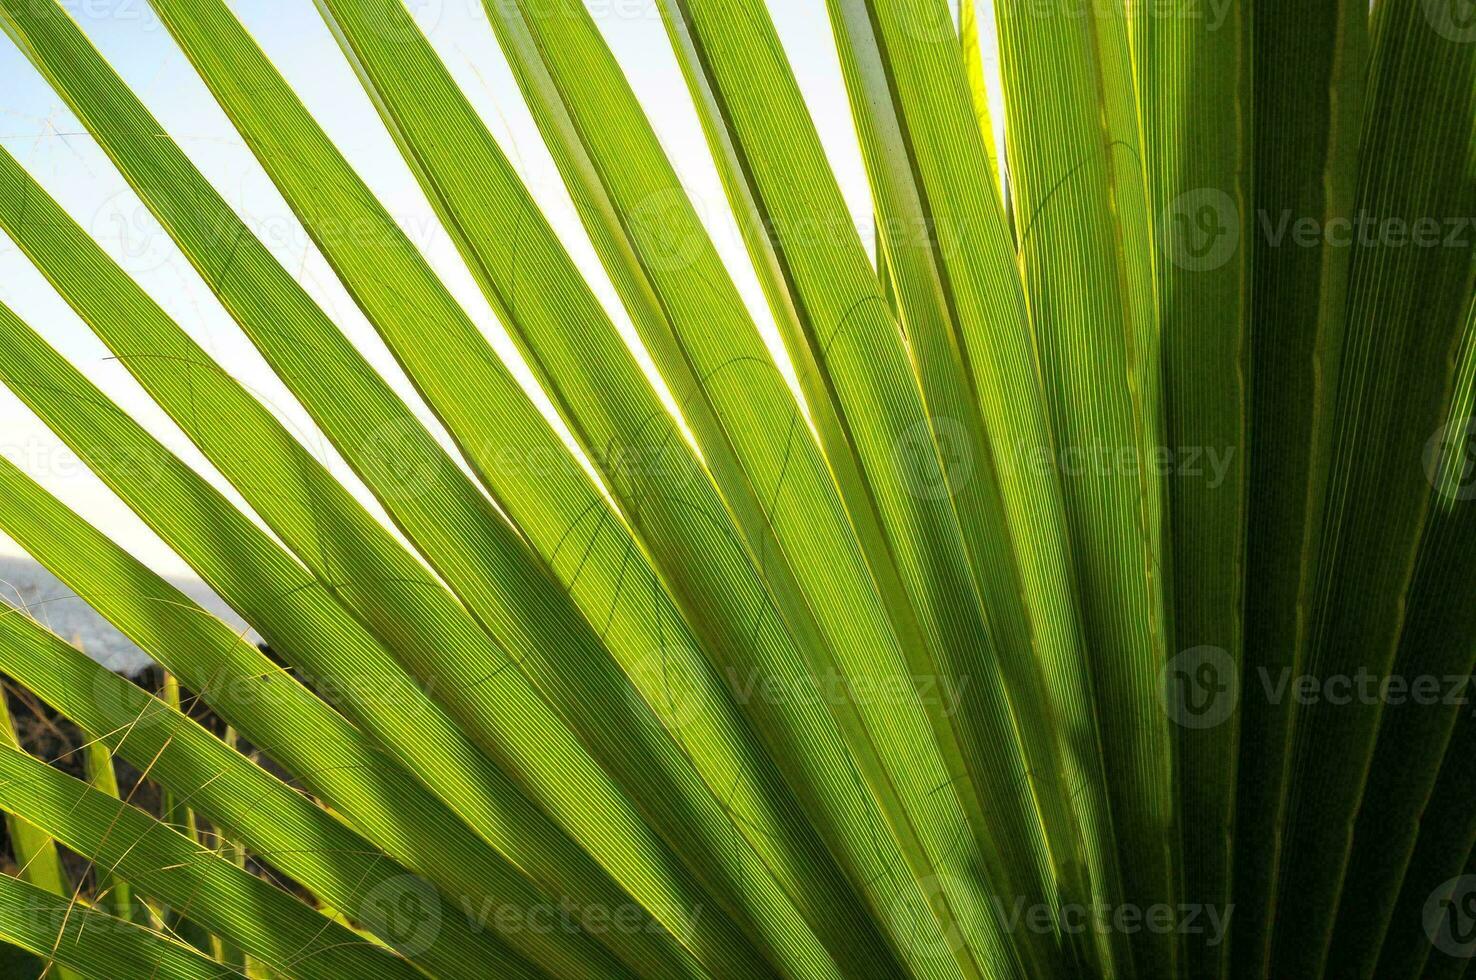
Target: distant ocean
(26, 585)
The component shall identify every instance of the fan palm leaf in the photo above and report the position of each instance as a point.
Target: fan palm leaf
(986, 622)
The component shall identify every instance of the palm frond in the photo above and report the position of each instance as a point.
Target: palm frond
(1008, 645)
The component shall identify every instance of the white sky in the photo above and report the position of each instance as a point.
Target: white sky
(42, 134)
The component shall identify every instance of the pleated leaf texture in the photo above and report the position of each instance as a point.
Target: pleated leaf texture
(1071, 576)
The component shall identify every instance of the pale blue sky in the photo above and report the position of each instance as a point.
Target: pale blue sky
(38, 130)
